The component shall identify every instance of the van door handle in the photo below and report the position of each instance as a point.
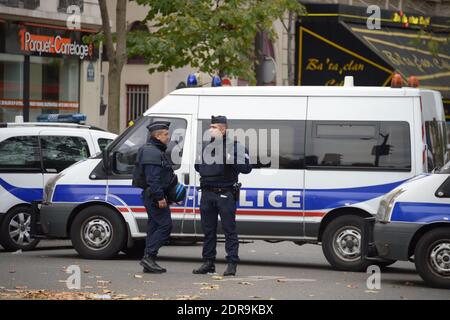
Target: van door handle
(186, 179)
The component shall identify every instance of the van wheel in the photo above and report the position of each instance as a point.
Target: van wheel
(97, 232)
(432, 257)
(15, 230)
(341, 244)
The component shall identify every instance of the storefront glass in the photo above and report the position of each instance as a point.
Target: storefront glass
(11, 86)
(54, 85)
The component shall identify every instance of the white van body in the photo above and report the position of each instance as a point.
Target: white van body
(301, 200)
(24, 173)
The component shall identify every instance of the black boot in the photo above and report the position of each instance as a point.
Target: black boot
(150, 265)
(206, 267)
(231, 269)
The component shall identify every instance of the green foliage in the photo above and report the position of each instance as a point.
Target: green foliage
(211, 36)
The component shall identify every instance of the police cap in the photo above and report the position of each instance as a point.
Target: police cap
(158, 125)
(219, 119)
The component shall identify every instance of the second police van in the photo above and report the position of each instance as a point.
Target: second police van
(338, 151)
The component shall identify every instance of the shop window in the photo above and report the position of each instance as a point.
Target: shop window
(59, 152)
(11, 87)
(64, 4)
(20, 154)
(137, 101)
(54, 86)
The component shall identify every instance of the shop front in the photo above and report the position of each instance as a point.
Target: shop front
(334, 41)
(40, 69)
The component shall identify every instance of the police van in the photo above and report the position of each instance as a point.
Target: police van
(322, 159)
(30, 155)
(413, 223)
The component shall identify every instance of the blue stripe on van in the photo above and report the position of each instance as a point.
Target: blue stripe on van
(420, 212)
(24, 194)
(278, 199)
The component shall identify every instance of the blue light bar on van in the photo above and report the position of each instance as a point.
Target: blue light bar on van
(64, 118)
(216, 82)
(192, 81)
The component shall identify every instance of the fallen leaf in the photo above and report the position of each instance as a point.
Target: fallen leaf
(12, 271)
(255, 297)
(217, 277)
(103, 282)
(138, 276)
(371, 291)
(352, 286)
(87, 271)
(407, 283)
(245, 283)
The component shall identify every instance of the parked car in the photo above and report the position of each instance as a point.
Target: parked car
(30, 155)
(413, 224)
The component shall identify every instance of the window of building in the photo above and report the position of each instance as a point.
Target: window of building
(126, 153)
(137, 101)
(20, 154)
(353, 144)
(64, 4)
(25, 4)
(60, 152)
(271, 144)
(11, 86)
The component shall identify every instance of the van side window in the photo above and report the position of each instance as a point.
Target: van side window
(125, 154)
(60, 152)
(103, 143)
(359, 145)
(20, 154)
(271, 144)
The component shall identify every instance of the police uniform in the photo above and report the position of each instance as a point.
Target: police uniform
(218, 184)
(158, 176)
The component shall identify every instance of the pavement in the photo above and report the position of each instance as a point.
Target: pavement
(280, 271)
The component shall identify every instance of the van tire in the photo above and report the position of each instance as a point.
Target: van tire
(21, 215)
(340, 256)
(437, 240)
(98, 233)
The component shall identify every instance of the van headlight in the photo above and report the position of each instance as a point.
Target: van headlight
(50, 187)
(387, 205)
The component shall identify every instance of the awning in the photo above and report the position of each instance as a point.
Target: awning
(334, 41)
(408, 54)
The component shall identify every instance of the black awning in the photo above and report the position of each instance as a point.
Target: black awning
(408, 54)
(334, 41)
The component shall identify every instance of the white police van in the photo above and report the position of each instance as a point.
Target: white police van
(413, 223)
(30, 155)
(324, 157)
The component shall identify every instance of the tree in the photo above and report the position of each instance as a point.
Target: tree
(216, 37)
(117, 56)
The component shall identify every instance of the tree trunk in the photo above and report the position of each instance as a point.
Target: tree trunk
(117, 57)
(290, 60)
(114, 85)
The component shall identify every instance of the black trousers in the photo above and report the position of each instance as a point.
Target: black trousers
(211, 206)
(159, 227)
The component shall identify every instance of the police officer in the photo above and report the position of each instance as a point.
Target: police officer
(158, 176)
(220, 189)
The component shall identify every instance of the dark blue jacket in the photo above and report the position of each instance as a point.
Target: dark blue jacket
(224, 174)
(158, 169)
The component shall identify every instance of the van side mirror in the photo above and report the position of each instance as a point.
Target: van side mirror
(105, 158)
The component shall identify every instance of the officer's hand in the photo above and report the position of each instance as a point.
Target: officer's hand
(162, 204)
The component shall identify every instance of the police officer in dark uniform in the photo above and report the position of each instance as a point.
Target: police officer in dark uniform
(158, 177)
(220, 189)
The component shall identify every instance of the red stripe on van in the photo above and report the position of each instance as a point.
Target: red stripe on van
(239, 212)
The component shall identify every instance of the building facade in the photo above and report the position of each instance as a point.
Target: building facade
(46, 67)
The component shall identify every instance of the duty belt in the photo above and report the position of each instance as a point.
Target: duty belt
(217, 190)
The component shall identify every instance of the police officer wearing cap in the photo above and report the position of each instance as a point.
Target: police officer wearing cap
(220, 189)
(159, 175)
